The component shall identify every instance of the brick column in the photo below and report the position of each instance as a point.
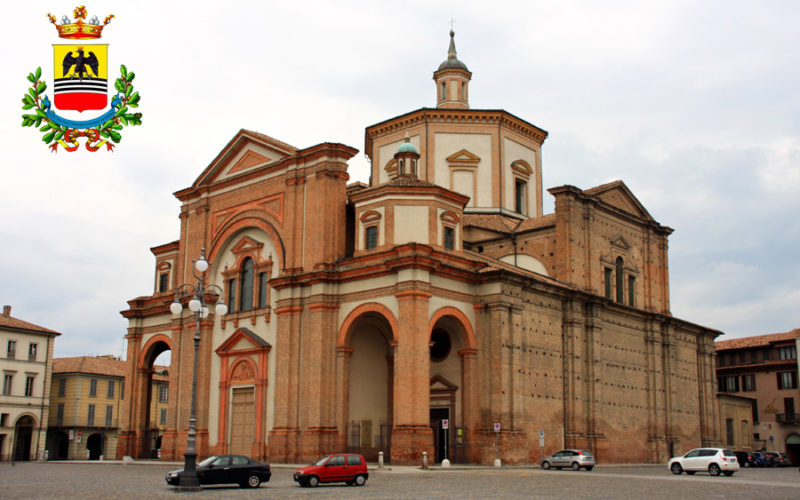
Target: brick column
(283, 436)
(411, 432)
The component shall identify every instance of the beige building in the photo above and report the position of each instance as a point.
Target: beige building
(26, 353)
(765, 369)
(86, 398)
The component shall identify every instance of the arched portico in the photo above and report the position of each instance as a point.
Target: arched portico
(453, 349)
(137, 439)
(365, 364)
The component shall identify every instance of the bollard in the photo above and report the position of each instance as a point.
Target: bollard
(424, 459)
(380, 460)
(445, 463)
(497, 462)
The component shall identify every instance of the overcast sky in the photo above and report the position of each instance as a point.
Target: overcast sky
(693, 104)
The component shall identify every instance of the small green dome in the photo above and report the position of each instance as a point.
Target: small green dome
(407, 147)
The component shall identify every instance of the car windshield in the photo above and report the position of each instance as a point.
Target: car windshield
(322, 460)
(207, 461)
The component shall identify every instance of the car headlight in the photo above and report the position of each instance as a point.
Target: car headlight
(173, 474)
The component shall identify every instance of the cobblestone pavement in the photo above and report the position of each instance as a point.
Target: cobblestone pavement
(134, 481)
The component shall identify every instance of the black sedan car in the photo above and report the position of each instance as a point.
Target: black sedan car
(224, 469)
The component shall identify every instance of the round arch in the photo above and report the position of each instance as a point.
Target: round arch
(246, 220)
(152, 349)
(346, 330)
(468, 332)
(247, 366)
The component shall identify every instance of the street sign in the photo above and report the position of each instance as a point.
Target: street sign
(497, 426)
(541, 433)
(541, 442)
(445, 423)
(772, 438)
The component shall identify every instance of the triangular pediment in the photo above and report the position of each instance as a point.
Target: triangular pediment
(619, 196)
(439, 383)
(247, 151)
(242, 340)
(463, 157)
(620, 243)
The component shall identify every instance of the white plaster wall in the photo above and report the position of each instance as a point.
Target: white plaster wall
(410, 224)
(266, 331)
(369, 378)
(513, 151)
(464, 183)
(525, 262)
(477, 144)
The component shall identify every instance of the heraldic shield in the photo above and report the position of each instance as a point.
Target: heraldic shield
(81, 76)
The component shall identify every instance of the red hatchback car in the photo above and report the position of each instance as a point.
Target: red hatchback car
(342, 467)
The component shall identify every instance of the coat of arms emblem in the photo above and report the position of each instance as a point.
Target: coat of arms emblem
(81, 84)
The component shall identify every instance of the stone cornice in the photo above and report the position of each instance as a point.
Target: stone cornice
(452, 116)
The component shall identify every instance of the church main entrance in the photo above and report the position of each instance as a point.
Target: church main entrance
(242, 418)
(440, 424)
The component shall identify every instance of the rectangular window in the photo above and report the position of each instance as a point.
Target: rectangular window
(60, 414)
(729, 384)
(110, 393)
(608, 279)
(519, 196)
(788, 352)
(444, 90)
(32, 352)
(262, 290)
(631, 290)
(449, 238)
(749, 382)
(12, 349)
(163, 417)
(231, 295)
(755, 412)
(787, 380)
(163, 394)
(122, 390)
(163, 282)
(3, 419)
(371, 237)
(29, 385)
(62, 387)
(8, 381)
(788, 407)
(93, 388)
(109, 415)
(90, 416)
(729, 431)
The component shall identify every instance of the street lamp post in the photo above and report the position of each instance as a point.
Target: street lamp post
(197, 304)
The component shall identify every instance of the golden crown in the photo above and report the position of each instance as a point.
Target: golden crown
(80, 29)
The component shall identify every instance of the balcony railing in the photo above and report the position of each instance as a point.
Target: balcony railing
(788, 418)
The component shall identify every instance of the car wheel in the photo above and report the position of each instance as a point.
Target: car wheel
(728, 473)
(676, 469)
(313, 481)
(253, 481)
(576, 466)
(590, 467)
(713, 469)
(546, 465)
(360, 480)
(747, 464)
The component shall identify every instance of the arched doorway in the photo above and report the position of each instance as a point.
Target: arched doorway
(371, 379)
(452, 352)
(95, 446)
(152, 385)
(23, 435)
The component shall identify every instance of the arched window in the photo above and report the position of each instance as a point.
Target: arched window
(619, 280)
(246, 297)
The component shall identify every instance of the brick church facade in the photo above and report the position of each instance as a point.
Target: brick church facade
(369, 317)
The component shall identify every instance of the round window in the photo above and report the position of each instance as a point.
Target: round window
(441, 345)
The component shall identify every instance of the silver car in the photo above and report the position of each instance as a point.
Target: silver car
(574, 459)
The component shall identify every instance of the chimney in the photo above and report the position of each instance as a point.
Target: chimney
(7, 311)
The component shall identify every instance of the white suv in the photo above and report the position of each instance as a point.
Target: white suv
(713, 460)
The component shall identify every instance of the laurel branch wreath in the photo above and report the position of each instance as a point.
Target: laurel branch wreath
(55, 133)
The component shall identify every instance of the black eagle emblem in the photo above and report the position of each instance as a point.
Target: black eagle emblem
(80, 63)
